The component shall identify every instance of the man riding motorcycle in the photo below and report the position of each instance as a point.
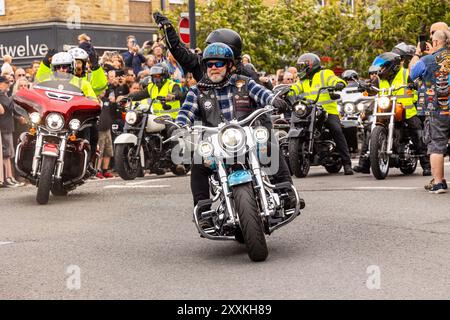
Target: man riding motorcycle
(391, 73)
(192, 62)
(97, 77)
(163, 88)
(63, 65)
(312, 77)
(221, 96)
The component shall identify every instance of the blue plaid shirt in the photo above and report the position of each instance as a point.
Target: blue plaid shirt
(190, 110)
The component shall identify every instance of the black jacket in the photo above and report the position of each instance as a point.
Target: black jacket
(192, 62)
(6, 119)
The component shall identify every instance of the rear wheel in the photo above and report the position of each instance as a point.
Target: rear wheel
(408, 166)
(379, 159)
(298, 158)
(45, 179)
(250, 222)
(126, 165)
(334, 168)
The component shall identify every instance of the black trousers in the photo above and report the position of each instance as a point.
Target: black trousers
(200, 178)
(334, 125)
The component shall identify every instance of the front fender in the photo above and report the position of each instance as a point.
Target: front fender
(126, 138)
(239, 177)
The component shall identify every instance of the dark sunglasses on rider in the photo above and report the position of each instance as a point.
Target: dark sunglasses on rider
(218, 64)
(62, 67)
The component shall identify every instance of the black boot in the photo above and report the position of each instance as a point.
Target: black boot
(425, 164)
(348, 169)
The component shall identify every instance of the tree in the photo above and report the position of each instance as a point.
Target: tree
(276, 36)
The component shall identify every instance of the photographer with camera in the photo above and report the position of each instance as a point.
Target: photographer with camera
(132, 57)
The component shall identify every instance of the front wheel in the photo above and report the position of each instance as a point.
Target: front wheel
(250, 222)
(298, 158)
(379, 159)
(126, 165)
(45, 179)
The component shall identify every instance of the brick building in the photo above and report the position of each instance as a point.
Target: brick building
(28, 28)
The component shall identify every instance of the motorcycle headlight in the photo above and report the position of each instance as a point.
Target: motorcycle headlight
(300, 109)
(360, 107)
(261, 135)
(383, 102)
(205, 149)
(349, 108)
(131, 117)
(35, 118)
(74, 124)
(232, 138)
(54, 121)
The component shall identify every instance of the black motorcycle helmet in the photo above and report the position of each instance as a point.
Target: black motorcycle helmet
(229, 37)
(387, 65)
(307, 64)
(218, 51)
(350, 75)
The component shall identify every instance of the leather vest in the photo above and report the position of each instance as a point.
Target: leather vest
(243, 105)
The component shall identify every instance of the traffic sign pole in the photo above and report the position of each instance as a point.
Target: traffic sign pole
(192, 34)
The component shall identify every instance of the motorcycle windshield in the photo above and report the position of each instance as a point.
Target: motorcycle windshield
(61, 82)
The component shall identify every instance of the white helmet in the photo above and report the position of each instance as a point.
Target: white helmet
(79, 54)
(63, 58)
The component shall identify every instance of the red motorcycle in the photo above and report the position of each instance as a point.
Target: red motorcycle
(52, 155)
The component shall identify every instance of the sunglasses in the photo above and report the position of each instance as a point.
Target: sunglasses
(61, 67)
(217, 64)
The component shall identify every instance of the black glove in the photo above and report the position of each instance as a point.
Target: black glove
(413, 85)
(86, 46)
(280, 105)
(339, 86)
(93, 58)
(48, 57)
(363, 86)
(161, 20)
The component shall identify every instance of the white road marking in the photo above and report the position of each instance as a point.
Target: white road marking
(362, 188)
(138, 186)
(5, 242)
(147, 181)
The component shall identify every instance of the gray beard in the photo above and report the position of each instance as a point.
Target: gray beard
(218, 77)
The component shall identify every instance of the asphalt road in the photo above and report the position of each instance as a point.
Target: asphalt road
(357, 238)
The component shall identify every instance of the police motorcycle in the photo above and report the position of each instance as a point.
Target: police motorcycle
(140, 147)
(52, 155)
(390, 141)
(245, 205)
(310, 142)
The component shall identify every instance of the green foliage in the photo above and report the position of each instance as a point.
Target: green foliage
(275, 36)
